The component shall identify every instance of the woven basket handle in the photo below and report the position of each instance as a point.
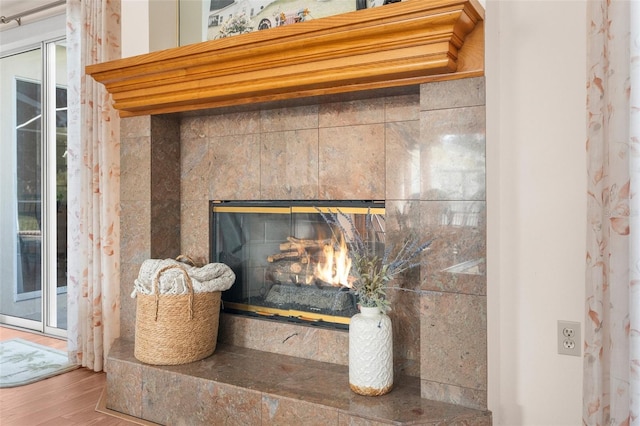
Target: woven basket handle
(188, 260)
(188, 283)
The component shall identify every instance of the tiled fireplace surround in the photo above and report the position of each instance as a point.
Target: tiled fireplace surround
(421, 149)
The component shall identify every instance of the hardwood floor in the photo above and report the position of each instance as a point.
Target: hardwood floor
(67, 399)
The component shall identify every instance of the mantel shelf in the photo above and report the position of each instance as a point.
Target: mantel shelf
(399, 44)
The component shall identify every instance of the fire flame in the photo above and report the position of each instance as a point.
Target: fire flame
(335, 266)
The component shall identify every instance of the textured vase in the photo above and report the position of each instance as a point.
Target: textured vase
(370, 353)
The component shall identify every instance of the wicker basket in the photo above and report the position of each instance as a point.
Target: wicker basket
(176, 329)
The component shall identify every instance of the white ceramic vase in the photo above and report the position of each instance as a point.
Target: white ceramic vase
(370, 352)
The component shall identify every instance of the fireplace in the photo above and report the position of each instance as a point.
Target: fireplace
(379, 104)
(290, 265)
(397, 128)
(397, 148)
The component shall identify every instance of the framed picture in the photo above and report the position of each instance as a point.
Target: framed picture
(226, 18)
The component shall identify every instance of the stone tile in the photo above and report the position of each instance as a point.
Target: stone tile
(452, 94)
(135, 230)
(453, 154)
(128, 274)
(241, 123)
(171, 398)
(294, 118)
(317, 344)
(194, 128)
(135, 127)
(402, 108)
(160, 390)
(124, 387)
(351, 163)
(352, 113)
(286, 411)
(194, 235)
(235, 173)
(232, 329)
(229, 405)
(333, 346)
(453, 340)
(402, 160)
(195, 169)
(405, 314)
(456, 260)
(349, 420)
(403, 221)
(484, 420)
(135, 169)
(165, 158)
(289, 165)
(472, 398)
(283, 338)
(400, 406)
(165, 229)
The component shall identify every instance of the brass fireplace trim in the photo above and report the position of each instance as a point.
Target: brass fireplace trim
(303, 316)
(217, 208)
(400, 44)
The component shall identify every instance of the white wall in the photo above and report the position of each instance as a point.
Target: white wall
(193, 16)
(148, 26)
(134, 27)
(163, 24)
(536, 161)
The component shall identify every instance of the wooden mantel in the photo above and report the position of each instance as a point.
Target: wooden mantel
(399, 44)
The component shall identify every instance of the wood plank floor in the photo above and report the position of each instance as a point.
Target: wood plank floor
(67, 399)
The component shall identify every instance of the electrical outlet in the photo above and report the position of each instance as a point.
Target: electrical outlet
(569, 338)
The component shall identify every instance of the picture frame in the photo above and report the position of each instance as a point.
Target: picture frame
(226, 18)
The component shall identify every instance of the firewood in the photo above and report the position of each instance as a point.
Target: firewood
(283, 256)
(290, 255)
(289, 272)
(298, 242)
(289, 246)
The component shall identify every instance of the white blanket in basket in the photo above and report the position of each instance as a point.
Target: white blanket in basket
(208, 278)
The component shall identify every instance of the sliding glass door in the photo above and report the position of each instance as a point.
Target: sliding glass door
(33, 199)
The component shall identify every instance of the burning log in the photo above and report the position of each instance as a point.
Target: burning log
(287, 266)
(288, 272)
(288, 246)
(308, 261)
(294, 243)
(297, 249)
(288, 255)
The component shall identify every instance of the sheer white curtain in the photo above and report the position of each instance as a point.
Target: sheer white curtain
(93, 36)
(612, 321)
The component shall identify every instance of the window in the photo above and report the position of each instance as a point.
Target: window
(33, 130)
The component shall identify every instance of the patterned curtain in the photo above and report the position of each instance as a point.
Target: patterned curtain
(93, 36)
(612, 321)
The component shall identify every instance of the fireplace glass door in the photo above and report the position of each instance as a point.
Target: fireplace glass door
(289, 263)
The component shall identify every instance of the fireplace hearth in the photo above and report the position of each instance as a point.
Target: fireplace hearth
(289, 264)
